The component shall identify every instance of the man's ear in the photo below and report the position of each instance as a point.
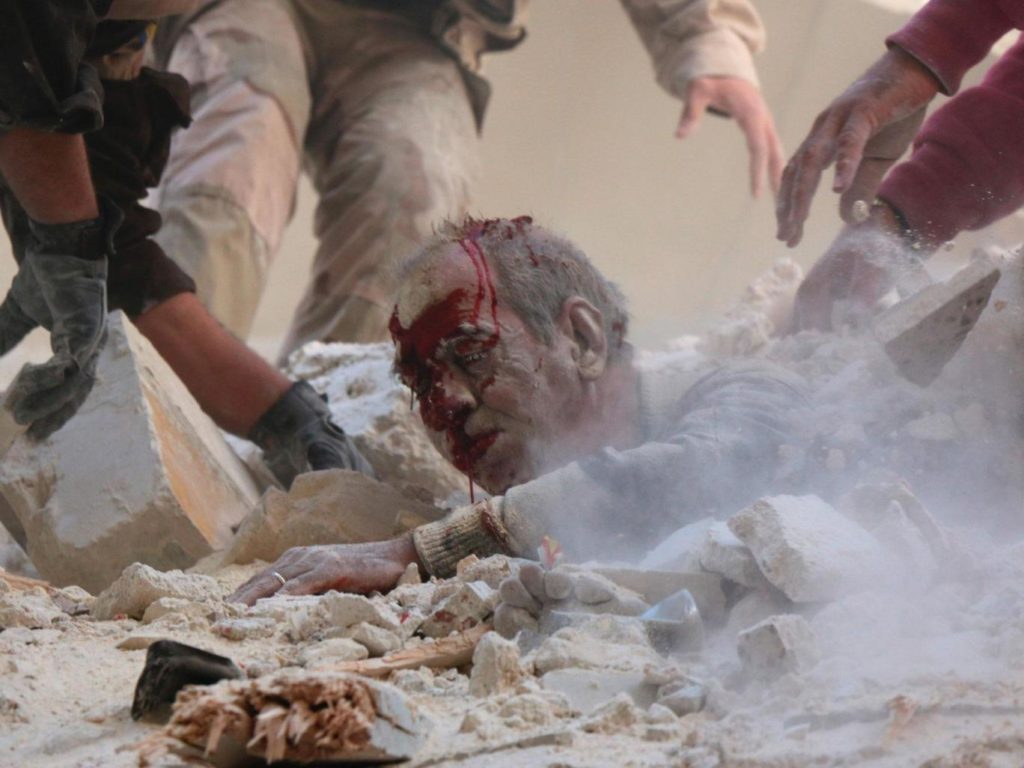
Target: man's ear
(583, 324)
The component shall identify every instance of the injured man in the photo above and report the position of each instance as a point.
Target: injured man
(515, 347)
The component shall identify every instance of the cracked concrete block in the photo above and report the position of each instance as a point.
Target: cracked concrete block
(729, 557)
(140, 474)
(470, 605)
(495, 666)
(778, 644)
(335, 505)
(140, 585)
(807, 549)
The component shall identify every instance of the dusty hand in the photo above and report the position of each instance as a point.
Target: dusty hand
(60, 285)
(743, 101)
(532, 591)
(361, 568)
(859, 268)
(875, 118)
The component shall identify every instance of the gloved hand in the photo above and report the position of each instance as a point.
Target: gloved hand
(527, 596)
(297, 435)
(61, 286)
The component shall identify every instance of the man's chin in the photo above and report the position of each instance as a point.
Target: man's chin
(499, 469)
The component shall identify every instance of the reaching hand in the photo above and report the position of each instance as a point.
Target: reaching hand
(362, 568)
(743, 101)
(876, 118)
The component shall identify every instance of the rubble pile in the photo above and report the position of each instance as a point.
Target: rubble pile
(855, 621)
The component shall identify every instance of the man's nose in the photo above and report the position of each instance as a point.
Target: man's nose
(457, 392)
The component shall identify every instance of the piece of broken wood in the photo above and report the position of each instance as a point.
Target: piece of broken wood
(24, 582)
(446, 653)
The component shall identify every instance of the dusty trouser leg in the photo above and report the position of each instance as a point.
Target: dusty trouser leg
(392, 149)
(229, 186)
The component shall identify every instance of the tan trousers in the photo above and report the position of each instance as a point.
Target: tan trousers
(374, 109)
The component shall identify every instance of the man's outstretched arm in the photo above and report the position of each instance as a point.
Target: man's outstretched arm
(702, 51)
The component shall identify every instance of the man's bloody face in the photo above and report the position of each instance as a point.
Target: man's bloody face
(496, 400)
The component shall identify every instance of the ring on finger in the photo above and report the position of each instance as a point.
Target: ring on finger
(279, 577)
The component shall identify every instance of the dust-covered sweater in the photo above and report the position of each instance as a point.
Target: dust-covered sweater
(711, 442)
(967, 168)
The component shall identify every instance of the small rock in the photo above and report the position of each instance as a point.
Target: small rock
(779, 644)
(332, 651)
(343, 610)
(73, 600)
(301, 616)
(139, 585)
(247, 628)
(615, 716)
(684, 697)
(377, 640)
(495, 666)
(472, 603)
(175, 605)
(491, 570)
(139, 641)
(30, 608)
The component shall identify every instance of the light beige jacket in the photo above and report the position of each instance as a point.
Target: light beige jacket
(686, 39)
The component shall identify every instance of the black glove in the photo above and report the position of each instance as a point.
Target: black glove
(61, 286)
(297, 435)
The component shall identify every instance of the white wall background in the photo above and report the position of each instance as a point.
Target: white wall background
(580, 136)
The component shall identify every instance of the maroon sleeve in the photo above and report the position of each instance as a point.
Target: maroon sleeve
(951, 36)
(967, 168)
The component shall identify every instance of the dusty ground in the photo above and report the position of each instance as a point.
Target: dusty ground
(926, 671)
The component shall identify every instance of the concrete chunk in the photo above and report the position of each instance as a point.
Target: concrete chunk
(470, 605)
(778, 644)
(140, 586)
(922, 333)
(495, 666)
(140, 474)
(343, 610)
(727, 556)
(377, 640)
(807, 549)
(334, 505)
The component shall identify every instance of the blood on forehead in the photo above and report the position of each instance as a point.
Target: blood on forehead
(417, 344)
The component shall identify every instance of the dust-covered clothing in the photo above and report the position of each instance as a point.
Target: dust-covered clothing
(711, 443)
(967, 167)
(381, 102)
(140, 108)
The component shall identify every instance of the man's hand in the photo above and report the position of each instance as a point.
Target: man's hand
(741, 100)
(362, 568)
(533, 591)
(60, 285)
(858, 269)
(876, 118)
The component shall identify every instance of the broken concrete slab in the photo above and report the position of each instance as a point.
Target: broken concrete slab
(495, 666)
(301, 717)
(807, 549)
(777, 645)
(726, 555)
(140, 474)
(140, 585)
(922, 333)
(334, 505)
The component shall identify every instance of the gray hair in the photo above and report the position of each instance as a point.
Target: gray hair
(537, 272)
